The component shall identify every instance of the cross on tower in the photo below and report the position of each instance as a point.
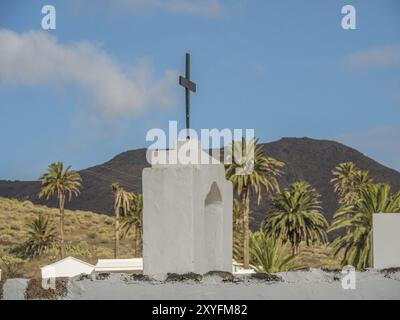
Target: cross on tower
(189, 86)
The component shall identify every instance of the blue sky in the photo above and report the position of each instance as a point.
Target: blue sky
(93, 87)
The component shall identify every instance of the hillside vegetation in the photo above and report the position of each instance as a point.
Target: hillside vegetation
(89, 236)
(306, 159)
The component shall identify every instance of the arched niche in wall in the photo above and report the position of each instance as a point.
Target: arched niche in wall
(213, 223)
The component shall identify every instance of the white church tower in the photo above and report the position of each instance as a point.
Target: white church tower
(187, 213)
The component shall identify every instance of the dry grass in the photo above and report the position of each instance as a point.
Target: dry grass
(89, 235)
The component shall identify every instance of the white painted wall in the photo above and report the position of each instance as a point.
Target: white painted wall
(212, 219)
(68, 267)
(181, 232)
(386, 240)
(119, 265)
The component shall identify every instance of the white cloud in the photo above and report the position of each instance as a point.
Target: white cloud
(35, 58)
(208, 8)
(378, 57)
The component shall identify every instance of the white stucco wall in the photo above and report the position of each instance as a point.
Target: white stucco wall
(213, 220)
(386, 240)
(181, 232)
(68, 267)
(119, 265)
(167, 222)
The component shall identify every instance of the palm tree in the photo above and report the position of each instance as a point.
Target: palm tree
(133, 219)
(62, 184)
(361, 180)
(348, 181)
(295, 216)
(251, 171)
(267, 253)
(237, 218)
(237, 231)
(122, 200)
(342, 176)
(41, 236)
(356, 219)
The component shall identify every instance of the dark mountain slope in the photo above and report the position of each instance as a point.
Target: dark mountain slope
(313, 160)
(306, 159)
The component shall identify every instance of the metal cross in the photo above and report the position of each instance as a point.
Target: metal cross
(189, 86)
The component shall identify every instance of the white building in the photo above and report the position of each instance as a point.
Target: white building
(66, 268)
(187, 214)
(119, 265)
(386, 240)
(237, 269)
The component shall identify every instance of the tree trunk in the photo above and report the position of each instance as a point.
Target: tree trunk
(137, 241)
(295, 248)
(246, 211)
(62, 245)
(116, 249)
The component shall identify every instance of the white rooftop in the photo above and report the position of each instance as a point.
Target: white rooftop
(67, 267)
(116, 265)
(68, 259)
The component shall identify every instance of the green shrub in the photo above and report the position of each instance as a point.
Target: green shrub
(92, 235)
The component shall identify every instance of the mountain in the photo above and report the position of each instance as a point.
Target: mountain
(306, 159)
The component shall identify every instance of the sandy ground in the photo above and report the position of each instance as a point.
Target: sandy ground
(314, 284)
